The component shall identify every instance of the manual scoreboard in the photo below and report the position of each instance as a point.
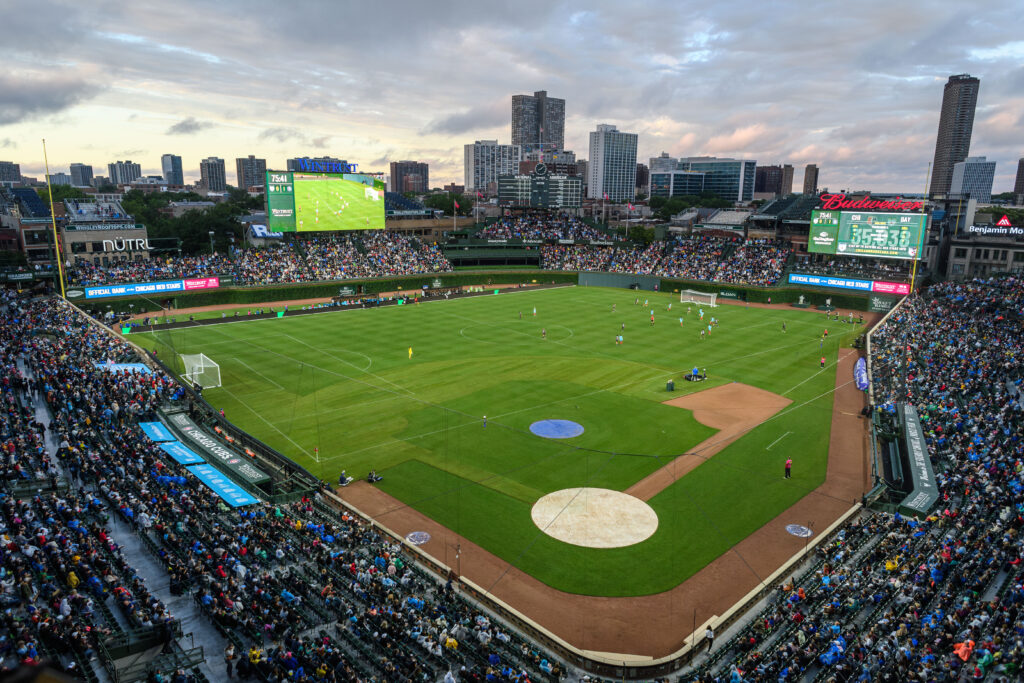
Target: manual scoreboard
(867, 233)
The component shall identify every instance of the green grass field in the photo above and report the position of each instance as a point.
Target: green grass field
(342, 205)
(344, 382)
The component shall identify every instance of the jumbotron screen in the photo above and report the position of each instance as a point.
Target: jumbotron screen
(866, 233)
(306, 202)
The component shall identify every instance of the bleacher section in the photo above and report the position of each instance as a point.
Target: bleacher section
(31, 205)
(95, 211)
(393, 201)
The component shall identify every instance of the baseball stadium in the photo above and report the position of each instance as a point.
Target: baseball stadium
(373, 455)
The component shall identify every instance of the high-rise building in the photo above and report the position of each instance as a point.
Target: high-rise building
(676, 183)
(124, 172)
(485, 160)
(1018, 185)
(250, 171)
(296, 165)
(953, 142)
(787, 180)
(643, 178)
(768, 179)
(662, 164)
(612, 167)
(171, 165)
(811, 179)
(10, 172)
(60, 178)
(211, 170)
(731, 179)
(81, 175)
(410, 176)
(538, 122)
(972, 178)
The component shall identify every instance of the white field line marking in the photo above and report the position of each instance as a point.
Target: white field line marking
(266, 422)
(827, 367)
(777, 440)
(257, 372)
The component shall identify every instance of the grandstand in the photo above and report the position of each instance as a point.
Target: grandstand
(396, 204)
(96, 211)
(31, 204)
(734, 218)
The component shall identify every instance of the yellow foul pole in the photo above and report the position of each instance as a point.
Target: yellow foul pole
(53, 221)
(924, 230)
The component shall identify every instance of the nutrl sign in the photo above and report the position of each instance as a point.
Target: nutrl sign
(834, 202)
(126, 245)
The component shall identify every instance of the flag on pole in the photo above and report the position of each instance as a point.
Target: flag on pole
(479, 195)
(630, 206)
(456, 205)
(606, 196)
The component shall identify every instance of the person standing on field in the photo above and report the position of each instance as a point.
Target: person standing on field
(789, 467)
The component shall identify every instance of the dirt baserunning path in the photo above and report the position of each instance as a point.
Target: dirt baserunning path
(655, 625)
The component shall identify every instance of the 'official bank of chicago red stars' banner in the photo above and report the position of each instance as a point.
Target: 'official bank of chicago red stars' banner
(836, 202)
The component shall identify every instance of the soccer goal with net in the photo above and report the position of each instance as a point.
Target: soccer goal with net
(199, 369)
(692, 296)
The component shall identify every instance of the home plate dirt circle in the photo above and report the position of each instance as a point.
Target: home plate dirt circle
(595, 518)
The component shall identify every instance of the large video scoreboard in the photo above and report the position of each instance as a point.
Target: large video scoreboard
(305, 201)
(867, 233)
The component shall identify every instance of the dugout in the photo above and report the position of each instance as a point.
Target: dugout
(904, 462)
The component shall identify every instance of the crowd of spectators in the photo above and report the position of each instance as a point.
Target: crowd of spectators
(277, 264)
(391, 253)
(575, 257)
(893, 270)
(755, 262)
(87, 273)
(936, 599)
(694, 258)
(545, 227)
(300, 592)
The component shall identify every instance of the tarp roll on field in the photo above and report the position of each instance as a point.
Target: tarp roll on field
(925, 492)
(624, 280)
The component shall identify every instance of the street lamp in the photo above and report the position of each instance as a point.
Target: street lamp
(211, 243)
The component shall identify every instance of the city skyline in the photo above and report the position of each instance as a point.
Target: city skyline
(716, 81)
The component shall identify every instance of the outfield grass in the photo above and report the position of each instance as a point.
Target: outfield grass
(344, 382)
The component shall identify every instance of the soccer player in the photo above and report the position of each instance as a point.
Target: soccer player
(534, 311)
(544, 334)
(680, 322)
(789, 467)
(783, 325)
(652, 318)
(701, 312)
(823, 361)
(702, 334)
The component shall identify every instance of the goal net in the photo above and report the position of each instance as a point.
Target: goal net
(692, 296)
(200, 370)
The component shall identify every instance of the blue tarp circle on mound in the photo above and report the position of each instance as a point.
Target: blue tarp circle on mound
(556, 429)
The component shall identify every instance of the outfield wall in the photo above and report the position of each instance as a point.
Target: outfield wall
(650, 283)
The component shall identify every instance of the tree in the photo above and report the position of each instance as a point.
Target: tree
(60, 193)
(446, 202)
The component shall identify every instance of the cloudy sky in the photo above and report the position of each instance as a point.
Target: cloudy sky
(855, 88)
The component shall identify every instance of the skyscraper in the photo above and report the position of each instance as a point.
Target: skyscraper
(486, 160)
(731, 179)
(410, 176)
(250, 171)
(811, 179)
(538, 122)
(211, 170)
(768, 180)
(81, 175)
(787, 180)
(10, 172)
(1018, 185)
(124, 172)
(972, 179)
(959, 98)
(171, 165)
(643, 178)
(612, 167)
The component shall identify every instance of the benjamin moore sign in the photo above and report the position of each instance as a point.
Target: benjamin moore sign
(215, 452)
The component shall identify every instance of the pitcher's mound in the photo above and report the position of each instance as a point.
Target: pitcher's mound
(595, 518)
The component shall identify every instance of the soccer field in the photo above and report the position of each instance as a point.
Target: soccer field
(345, 383)
(333, 203)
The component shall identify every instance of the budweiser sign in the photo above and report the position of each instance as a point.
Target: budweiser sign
(833, 202)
